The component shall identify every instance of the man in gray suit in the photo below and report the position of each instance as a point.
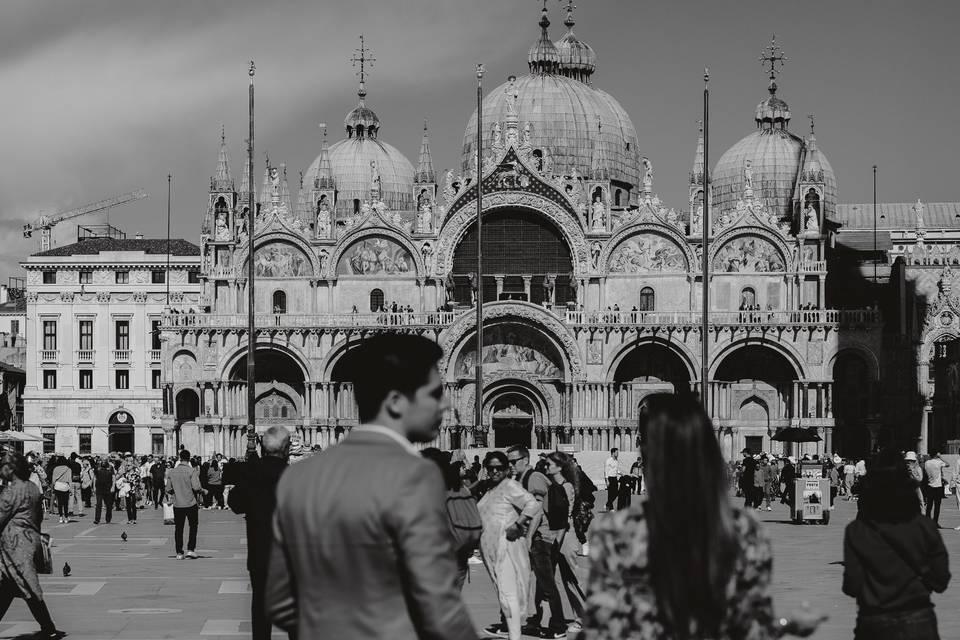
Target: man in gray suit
(362, 549)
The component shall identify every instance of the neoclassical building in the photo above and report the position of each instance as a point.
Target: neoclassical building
(592, 285)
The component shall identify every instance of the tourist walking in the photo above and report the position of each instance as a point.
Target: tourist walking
(86, 482)
(103, 487)
(933, 485)
(20, 516)
(893, 557)
(215, 482)
(255, 497)
(916, 475)
(511, 517)
(183, 484)
(132, 489)
(748, 478)
(564, 474)
(61, 479)
(75, 493)
(158, 476)
(849, 477)
(684, 562)
(362, 548)
(611, 470)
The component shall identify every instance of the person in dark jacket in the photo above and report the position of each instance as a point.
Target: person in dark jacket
(787, 476)
(747, 479)
(255, 496)
(893, 557)
(103, 485)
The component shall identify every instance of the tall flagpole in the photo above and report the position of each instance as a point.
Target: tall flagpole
(251, 329)
(167, 276)
(705, 222)
(875, 225)
(479, 393)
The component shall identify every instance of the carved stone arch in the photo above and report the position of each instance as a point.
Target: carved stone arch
(334, 354)
(690, 361)
(230, 359)
(185, 358)
(933, 336)
(494, 386)
(861, 351)
(630, 230)
(566, 221)
(280, 237)
(351, 238)
(753, 231)
(452, 338)
(725, 348)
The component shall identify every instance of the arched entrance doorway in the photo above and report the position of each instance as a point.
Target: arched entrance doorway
(512, 420)
(280, 387)
(753, 397)
(188, 405)
(522, 247)
(120, 432)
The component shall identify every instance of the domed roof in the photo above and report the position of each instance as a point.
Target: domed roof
(563, 112)
(577, 59)
(361, 119)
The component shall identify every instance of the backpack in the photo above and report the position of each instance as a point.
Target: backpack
(465, 522)
(558, 506)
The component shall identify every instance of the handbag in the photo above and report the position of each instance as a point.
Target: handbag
(61, 486)
(167, 513)
(43, 558)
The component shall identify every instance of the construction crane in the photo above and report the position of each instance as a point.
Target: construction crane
(45, 223)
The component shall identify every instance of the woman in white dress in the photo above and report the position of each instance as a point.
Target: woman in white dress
(510, 517)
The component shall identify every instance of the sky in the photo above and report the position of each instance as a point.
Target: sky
(104, 96)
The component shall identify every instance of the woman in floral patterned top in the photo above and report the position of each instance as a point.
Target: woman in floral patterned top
(684, 564)
(131, 473)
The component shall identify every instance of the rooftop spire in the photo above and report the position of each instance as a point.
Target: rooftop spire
(362, 57)
(696, 173)
(324, 173)
(245, 178)
(425, 171)
(773, 56)
(773, 113)
(222, 181)
(362, 121)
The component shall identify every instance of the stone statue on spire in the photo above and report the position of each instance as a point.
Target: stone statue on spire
(647, 175)
(511, 94)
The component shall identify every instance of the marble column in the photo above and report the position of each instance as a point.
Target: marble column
(499, 280)
(526, 287)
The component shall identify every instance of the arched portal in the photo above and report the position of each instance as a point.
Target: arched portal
(852, 403)
(753, 392)
(521, 246)
(280, 387)
(120, 431)
(512, 418)
(188, 405)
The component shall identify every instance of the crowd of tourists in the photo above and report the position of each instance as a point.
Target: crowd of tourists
(374, 538)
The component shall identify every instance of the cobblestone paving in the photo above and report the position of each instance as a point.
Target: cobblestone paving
(137, 590)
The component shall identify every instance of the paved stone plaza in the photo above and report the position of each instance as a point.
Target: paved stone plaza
(136, 590)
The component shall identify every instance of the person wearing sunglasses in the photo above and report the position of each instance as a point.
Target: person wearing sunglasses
(510, 517)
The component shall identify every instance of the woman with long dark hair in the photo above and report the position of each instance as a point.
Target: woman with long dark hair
(893, 556)
(683, 563)
(61, 479)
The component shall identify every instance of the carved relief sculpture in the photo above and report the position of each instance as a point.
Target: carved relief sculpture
(810, 219)
(599, 215)
(748, 254)
(646, 253)
(280, 261)
(375, 256)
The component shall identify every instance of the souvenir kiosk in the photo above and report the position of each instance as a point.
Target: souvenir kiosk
(811, 501)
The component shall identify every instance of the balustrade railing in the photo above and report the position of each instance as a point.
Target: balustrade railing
(291, 320)
(121, 355)
(755, 317)
(49, 355)
(155, 355)
(85, 356)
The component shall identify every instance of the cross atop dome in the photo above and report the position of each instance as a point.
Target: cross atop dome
(774, 57)
(362, 56)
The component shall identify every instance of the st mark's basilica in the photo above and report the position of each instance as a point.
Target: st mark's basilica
(591, 284)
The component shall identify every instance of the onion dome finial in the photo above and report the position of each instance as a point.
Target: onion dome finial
(543, 57)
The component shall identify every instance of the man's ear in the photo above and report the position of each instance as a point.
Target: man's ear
(395, 404)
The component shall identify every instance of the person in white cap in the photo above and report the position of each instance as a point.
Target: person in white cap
(916, 473)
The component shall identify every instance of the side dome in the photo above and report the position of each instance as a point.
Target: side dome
(563, 113)
(775, 156)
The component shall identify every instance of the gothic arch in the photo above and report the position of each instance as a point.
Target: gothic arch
(679, 349)
(753, 231)
(496, 385)
(859, 350)
(352, 237)
(932, 337)
(566, 221)
(333, 356)
(280, 237)
(630, 230)
(452, 338)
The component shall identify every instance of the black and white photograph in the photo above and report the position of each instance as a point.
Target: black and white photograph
(456, 320)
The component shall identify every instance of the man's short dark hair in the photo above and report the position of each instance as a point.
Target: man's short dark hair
(390, 362)
(614, 449)
(519, 448)
(184, 455)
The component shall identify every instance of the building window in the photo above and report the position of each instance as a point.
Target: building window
(123, 277)
(193, 277)
(155, 334)
(156, 444)
(376, 300)
(49, 439)
(279, 302)
(86, 378)
(748, 298)
(648, 299)
(86, 277)
(86, 335)
(49, 335)
(123, 335)
(49, 379)
(155, 379)
(158, 276)
(122, 379)
(85, 444)
(15, 327)
(49, 277)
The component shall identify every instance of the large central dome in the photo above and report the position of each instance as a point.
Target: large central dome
(563, 110)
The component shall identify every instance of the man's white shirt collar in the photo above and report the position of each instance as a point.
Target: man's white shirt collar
(390, 433)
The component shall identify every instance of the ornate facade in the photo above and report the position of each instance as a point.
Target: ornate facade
(592, 285)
